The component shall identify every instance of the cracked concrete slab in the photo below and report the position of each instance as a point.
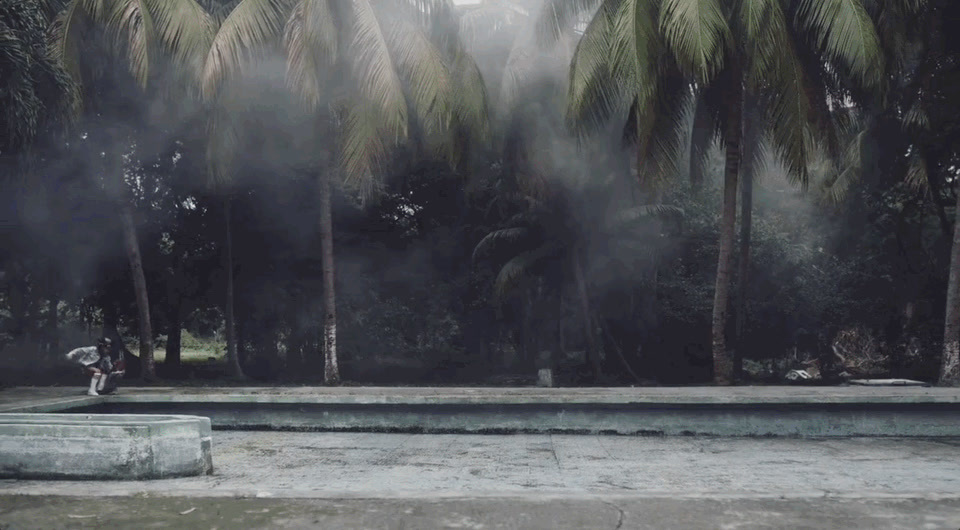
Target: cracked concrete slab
(344, 465)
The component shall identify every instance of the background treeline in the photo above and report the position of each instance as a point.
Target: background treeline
(418, 192)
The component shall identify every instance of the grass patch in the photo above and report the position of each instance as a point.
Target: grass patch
(193, 350)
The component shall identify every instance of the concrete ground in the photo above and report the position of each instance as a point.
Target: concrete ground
(368, 480)
(276, 479)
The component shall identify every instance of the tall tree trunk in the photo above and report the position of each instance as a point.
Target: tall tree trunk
(743, 267)
(749, 147)
(699, 144)
(592, 345)
(331, 369)
(140, 289)
(722, 363)
(172, 359)
(950, 364)
(233, 359)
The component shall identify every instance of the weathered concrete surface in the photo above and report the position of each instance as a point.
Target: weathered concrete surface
(513, 513)
(343, 465)
(110, 447)
(363, 480)
(739, 411)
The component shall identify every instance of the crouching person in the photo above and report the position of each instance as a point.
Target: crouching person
(104, 369)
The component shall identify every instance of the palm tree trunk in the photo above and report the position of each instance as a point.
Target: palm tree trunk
(331, 369)
(140, 289)
(749, 146)
(722, 363)
(699, 143)
(593, 349)
(743, 268)
(233, 359)
(950, 363)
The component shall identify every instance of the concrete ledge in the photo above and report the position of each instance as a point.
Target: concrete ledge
(711, 411)
(795, 420)
(104, 446)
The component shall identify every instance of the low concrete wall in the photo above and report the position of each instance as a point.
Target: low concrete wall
(104, 446)
(712, 411)
(795, 419)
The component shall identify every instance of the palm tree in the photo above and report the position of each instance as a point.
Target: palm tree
(375, 75)
(150, 37)
(36, 92)
(634, 51)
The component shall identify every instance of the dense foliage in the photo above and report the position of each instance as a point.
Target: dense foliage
(492, 209)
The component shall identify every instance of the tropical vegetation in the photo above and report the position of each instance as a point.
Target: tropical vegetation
(419, 191)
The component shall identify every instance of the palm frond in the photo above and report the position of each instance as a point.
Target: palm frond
(134, 31)
(320, 29)
(528, 63)
(775, 72)
(375, 71)
(22, 106)
(422, 66)
(629, 216)
(917, 175)
(471, 107)
(498, 237)
(65, 38)
(765, 33)
(303, 73)
(660, 130)
(363, 147)
(896, 24)
(844, 32)
(635, 50)
(836, 188)
(469, 126)
(916, 117)
(518, 267)
(519, 67)
(697, 33)
(249, 29)
(311, 42)
(487, 21)
(184, 32)
(701, 137)
(592, 95)
(558, 16)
